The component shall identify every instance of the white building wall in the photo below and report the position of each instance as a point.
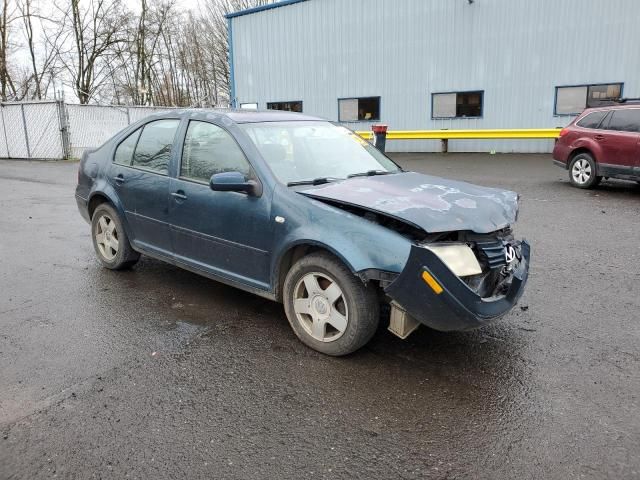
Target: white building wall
(516, 51)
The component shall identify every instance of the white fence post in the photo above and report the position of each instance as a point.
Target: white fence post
(63, 119)
(26, 133)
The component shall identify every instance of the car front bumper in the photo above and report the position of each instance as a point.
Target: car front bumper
(456, 307)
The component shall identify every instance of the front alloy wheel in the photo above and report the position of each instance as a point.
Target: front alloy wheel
(320, 307)
(328, 307)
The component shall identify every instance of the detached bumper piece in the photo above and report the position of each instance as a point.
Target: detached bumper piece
(454, 306)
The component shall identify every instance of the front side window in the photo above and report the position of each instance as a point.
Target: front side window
(124, 151)
(209, 149)
(153, 151)
(295, 106)
(573, 100)
(627, 120)
(592, 120)
(302, 151)
(457, 105)
(359, 109)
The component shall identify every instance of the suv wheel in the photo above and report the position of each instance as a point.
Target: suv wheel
(109, 239)
(329, 308)
(582, 171)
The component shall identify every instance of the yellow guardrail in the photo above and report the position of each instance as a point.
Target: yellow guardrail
(467, 134)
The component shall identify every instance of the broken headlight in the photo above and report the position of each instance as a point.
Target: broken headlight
(458, 257)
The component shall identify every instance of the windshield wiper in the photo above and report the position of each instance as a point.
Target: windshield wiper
(315, 181)
(370, 173)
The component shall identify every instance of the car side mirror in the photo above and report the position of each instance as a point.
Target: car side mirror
(234, 182)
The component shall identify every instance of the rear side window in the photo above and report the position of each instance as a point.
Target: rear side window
(592, 120)
(625, 120)
(209, 149)
(153, 151)
(124, 152)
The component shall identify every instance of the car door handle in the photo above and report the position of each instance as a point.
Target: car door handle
(179, 195)
(119, 179)
(599, 137)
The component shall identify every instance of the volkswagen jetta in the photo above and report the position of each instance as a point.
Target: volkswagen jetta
(304, 212)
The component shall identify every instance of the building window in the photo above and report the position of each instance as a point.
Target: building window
(248, 106)
(295, 106)
(574, 99)
(358, 109)
(457, 104)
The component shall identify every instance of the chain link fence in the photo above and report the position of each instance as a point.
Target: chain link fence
(56, 130)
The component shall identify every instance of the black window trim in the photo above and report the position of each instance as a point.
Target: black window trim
(481, 92)
(555, 98)
(252, 171)
(360, 98)
(141, 128)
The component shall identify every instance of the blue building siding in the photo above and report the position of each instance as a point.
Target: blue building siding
(516, 51)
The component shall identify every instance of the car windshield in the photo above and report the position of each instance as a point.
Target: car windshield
(315, 151)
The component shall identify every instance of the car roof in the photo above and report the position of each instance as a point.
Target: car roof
(238, 115)
(254, 116)
(617, 106)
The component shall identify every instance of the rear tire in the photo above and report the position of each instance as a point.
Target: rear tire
(582, 171)
(110, 240)
(328, 307)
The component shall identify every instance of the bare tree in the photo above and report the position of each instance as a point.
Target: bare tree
(156, 56)
(6, 84)
(43, 52)
(95, 29)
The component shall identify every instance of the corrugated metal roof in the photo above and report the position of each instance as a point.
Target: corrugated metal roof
(249, 11)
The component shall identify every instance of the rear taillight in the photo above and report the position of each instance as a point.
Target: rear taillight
(564, 131)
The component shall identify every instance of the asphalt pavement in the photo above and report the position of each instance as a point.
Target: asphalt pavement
(159, 373)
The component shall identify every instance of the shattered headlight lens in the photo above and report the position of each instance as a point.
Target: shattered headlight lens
(459, 257)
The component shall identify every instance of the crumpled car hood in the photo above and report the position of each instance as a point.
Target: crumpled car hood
(431, 203)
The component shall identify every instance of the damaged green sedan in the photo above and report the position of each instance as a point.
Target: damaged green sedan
(304, 212)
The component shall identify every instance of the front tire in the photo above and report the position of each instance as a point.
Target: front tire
(110, 240)
(328, 307)
(582, 171)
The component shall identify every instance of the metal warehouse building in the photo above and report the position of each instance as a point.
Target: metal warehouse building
(437, 64)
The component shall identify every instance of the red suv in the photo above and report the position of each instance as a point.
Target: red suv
(601, 142)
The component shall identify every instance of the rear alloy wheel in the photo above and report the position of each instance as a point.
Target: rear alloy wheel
(110, 240)
(329, 308)
(582, 171)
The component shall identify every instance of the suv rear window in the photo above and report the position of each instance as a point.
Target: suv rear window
(592, 120)
(625, 120)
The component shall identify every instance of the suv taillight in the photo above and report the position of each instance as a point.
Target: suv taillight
(564, 131)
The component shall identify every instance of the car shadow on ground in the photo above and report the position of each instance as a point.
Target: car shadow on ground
(474, 364)
(612, 186)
